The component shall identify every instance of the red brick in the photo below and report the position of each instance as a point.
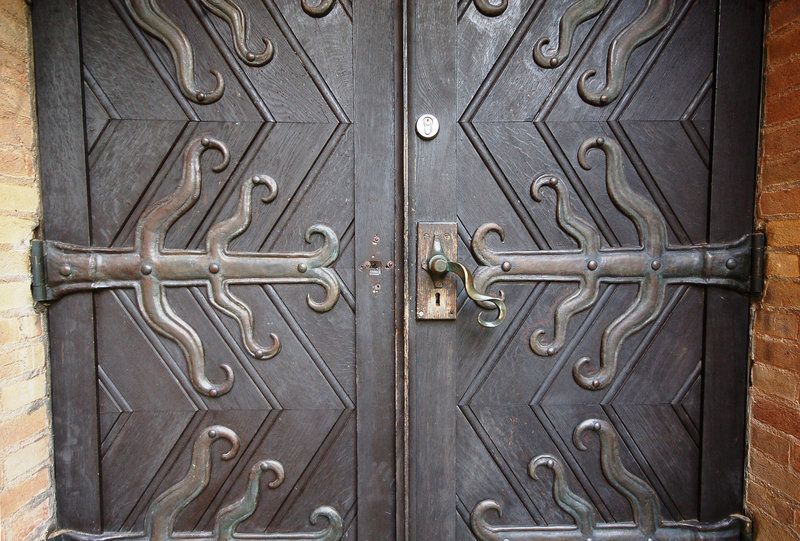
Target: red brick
(781, 170)
(21, 428)
(782, 293)
(783, 232)
(27, 520)
(784, 355)
(782, 45)
(782, 78)
(780, 139)
(767, 528)
(763, 498)
(773, 445)
(783, 13)
(777, 324)
(780, 202)
(14, 498)
(778, 416)
(794, 458)
(775, 476)
(782, 107)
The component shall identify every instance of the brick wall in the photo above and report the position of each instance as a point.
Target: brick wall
(773, 477)
(26, 497)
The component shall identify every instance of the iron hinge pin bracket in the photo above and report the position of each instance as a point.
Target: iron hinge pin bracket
(38, 272)
(757, 256)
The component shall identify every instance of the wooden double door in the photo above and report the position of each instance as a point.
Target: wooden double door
(232, 198)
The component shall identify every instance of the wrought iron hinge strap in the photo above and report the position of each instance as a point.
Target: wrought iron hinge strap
(652, 265)
(149, 268)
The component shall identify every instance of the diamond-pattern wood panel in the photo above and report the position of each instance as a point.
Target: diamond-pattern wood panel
(288, 119)
(521, 121)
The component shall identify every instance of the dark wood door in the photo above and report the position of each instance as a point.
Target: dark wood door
(147, 376)
(660, 368)
(366, 419)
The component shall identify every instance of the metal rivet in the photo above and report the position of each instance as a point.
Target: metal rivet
(146, 268)
(551, 350)
(212, 393)
(506, 266)
(213, 268)
(553, 181)
(600, 141)
(302, 267)
(420, 313)
(250, 57)
(592, 264)
(551, 463)
(200, 97)
(260, 354)
(655, 264)
(65, 270)
(731, 263)
(376, 239)
(212, 433)
(389, 264)
(596, 384)
(554, 61)
(377, 287)
(596, 425)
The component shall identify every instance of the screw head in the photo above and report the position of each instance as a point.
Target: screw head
(420, 313)
(389, 264)
(376, 239)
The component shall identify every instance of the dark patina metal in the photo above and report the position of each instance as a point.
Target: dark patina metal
(152, 19)
(162, 513)
(647, 522)
(490, 8)
(653, 18)
(652, 266)
(149, 268)
(322, 8)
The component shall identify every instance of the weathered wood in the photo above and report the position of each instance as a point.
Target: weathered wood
(432, 344)
(64, 186)
(737, 96)
(378, 177)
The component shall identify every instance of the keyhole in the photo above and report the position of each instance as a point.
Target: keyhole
(438, 299)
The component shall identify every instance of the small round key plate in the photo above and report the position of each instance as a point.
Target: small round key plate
(427, 126)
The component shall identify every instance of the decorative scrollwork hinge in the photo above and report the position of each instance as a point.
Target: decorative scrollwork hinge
(491, 8)
(165, 508)
(152, 19)
(652, 266)
(322, 8)
(647, 522)
(653, 18)
(149, 268)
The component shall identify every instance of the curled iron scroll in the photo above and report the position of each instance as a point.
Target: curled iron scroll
(653, 18)
(647, 522)
(163, 512)
(152, 19)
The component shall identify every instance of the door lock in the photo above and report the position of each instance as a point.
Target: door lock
(436, 286)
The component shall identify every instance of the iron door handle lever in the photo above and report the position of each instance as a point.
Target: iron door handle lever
(438, 265)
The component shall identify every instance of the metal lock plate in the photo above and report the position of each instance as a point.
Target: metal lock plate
(427, 126)
(436, 299)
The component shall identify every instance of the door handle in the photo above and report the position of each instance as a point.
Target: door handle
(438, 265)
